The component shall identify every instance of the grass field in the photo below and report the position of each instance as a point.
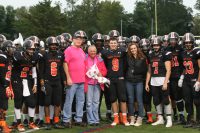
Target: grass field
(105, 128)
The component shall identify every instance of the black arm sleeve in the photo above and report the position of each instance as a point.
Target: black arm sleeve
(3, 70)
(42, 67)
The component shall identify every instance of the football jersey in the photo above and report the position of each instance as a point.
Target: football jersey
(176, 62)
(22, 66)
(5, 70)
(115, 62)
(51, 66)
(157, 62)
(190, 63)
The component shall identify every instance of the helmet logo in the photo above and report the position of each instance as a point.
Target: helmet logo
(98, 36)
(144, 42)
(187, 37)
(81, 33)
(156, 41)
(53, 40)
(173, 36)
(115, 33)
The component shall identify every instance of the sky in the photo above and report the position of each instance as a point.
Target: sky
(128, 4)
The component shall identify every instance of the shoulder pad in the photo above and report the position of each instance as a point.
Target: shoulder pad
(3, 56)
(167, 52)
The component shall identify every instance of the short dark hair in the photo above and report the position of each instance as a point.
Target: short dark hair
(113, 39)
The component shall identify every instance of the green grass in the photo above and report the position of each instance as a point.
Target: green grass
(118, 129)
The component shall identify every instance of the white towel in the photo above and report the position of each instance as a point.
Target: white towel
(26, 91)
(93, 73)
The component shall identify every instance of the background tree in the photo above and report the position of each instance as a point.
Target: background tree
(42, 20)
(109, 16)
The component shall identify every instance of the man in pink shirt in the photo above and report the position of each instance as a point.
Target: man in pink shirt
(74, 67)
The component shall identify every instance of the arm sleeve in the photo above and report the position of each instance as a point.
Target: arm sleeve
(3, 71)
(42, 67)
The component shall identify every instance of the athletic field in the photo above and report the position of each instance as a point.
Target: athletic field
(106, 128)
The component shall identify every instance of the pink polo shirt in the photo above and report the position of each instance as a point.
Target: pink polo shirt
(74, 57)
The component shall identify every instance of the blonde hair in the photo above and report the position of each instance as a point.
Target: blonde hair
(92, 46)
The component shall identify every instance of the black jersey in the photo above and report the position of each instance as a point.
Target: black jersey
(134, 72)
(22, 66)
(176, 62)
(115, 62)
(51, 66)
(157, 62)
(5, 70)
(190, 63)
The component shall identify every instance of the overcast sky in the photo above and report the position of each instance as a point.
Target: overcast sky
(128, 4)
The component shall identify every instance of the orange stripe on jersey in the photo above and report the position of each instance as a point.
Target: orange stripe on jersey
(2, 65)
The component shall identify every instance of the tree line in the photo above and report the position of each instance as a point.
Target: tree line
(47, 19)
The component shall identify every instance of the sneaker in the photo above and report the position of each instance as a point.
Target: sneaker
(132, 120)
(196, 125)
(182, 119)
(169, 121)
(109, 117)
(33, 126)
(13, 125)
(67, 124)
(37, 121)
(150, 118)
(47, 126)
(25, 122)
(138, 122)
(159, 121)
(81, 124)
(116, 120)
(189, 124)
(20, 128)
(40, 123)
(58, 126)
(124, 120)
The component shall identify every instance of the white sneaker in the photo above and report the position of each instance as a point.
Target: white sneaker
(169, 121)
(113, 124)
(159, 121)
(132, 122)
(138, 122)
(126, 124)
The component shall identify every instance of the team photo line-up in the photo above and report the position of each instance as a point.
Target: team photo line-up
(60, 83)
